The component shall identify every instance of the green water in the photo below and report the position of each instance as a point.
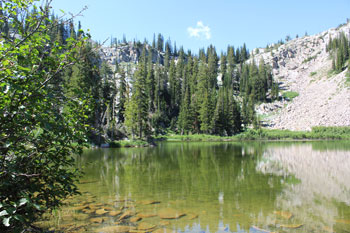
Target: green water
(220, 187)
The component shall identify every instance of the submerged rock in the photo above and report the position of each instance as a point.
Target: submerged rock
(96, 220)
(284, 214)
(127, 214)
(149, 202)
(192, 216)
(146, 215)
(291, 226)
(344, 221)
(114, 213)
(88, 211)
(101, 212)
(81, 217)
(170, 214)
(164, 230)
(115, 229)
(164, 223)
(144, 226)
(135, 219)
(261, 230)
(80, 207)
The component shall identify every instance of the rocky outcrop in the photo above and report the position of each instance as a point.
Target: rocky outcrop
(128, 53)
(303, 65)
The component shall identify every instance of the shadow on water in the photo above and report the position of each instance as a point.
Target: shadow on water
(219, 187)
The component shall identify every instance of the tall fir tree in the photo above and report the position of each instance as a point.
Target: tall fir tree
(137, 108)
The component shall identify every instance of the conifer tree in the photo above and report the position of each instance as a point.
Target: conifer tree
(160, 43)
(228, 82)
(212, 67)
(204, 99)
(223, 66)
(150, 83)
(185, 115)
(137, 108)
(154, 41)
(172, 84)
(122, 97)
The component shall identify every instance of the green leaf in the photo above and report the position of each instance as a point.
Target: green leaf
(37, 206)
(6, 221)
(3, 213)
(23, 201)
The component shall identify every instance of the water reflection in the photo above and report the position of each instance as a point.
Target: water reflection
(321, 192)
(226, 187)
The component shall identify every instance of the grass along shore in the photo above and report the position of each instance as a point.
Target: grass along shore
(317, 133)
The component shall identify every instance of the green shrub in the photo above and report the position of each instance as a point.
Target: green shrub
(309, 59)
(115, 144)
(132, 143)
(290, 94)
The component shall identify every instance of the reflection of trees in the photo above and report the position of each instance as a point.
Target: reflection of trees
(324, 188)
(198, 173)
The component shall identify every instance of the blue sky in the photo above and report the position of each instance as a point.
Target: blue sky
(198, 23)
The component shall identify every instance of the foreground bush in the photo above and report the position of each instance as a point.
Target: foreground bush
(40, 128)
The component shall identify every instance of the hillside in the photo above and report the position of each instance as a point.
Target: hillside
(301, 66)
(304, 66)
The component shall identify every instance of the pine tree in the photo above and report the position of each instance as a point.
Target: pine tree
(205, 99)
(160, 43)
(180, 71)
(274, 91)
(212, 67)
(137, 108)
(229, 76)
(339, 60)
(154, 41)
(219, 120)
(122, 97)
(172, 85)
(223, 66)
(244, 53)
(185, 115)
(167, 58)
(235, 116)
(150, 83)
(72, 32)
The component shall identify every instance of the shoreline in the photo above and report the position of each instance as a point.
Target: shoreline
(259, 135)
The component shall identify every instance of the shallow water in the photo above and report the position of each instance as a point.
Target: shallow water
(213, 187)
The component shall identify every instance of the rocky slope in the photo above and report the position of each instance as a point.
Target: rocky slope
(302, 65)
(127, 53)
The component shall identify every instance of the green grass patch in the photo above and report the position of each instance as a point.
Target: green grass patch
(309, 59)
(320, 132)
(290, 94)
(313, 74)
(330, 73)
(347, 82)
(193, 137)
(317, 133)
(131, 143)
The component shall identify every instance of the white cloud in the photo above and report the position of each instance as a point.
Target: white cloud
(200, 31)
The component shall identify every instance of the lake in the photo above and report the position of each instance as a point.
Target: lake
(212, 187)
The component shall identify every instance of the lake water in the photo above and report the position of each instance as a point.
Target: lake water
(213, 187)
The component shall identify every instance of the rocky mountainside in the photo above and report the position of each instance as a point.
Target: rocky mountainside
(304, 66)
(128, 53)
